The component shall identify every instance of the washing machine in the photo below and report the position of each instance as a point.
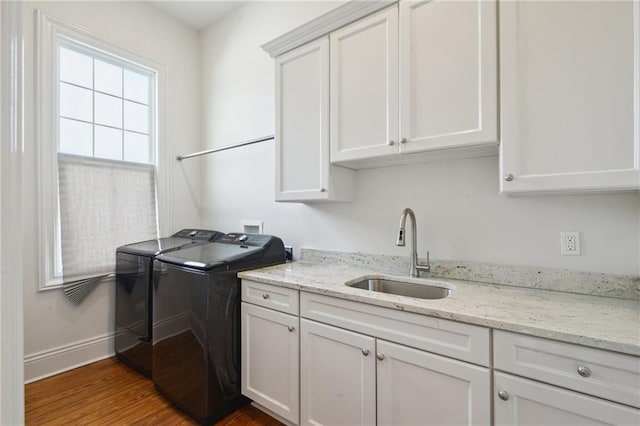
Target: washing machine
(196, 322)
(134, 266)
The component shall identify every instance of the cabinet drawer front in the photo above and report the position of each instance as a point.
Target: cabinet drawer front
(453, 339)
(270, 296)
(598, 372)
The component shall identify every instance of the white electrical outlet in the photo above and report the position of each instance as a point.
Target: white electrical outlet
(570, 243)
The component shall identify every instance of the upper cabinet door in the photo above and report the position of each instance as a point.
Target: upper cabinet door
(570, 96)
(448, 74)
(364, 87)
(302, 123)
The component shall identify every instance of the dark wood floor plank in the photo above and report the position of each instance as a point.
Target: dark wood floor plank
(109, 393)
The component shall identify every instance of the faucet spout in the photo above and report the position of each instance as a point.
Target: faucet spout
(414, 266)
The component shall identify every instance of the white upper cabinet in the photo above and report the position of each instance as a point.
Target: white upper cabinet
(419, 76)
(448, 74)
(570, 96)
(364, 88)
(303, 172)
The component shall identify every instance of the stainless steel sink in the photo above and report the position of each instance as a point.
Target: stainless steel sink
(412, 288)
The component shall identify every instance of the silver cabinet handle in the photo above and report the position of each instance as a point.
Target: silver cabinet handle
(365, 351)
(584, 371)
(380, 356)
(508, 177)
(323, 189)
(391, 142)
(403, 140)
(265, 296)
(503, 395)
(291, 328)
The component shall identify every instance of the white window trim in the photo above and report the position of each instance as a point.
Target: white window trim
(49, 31)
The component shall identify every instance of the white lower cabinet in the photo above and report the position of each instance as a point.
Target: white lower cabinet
(350, 378)
(270, 360)
(562, 383)
(337, 376)
(521, 401)
(420, 388)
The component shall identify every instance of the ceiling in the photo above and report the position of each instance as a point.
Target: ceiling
(196, 14)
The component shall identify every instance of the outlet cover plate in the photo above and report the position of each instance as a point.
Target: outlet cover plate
(570, 244)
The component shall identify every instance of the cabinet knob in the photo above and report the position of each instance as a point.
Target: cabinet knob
(323, 189)
(508, 177)
(503, 395)
(365, 351)
(380, 356)
(265, 296)
(391, 142)
(291, 328)
(584, 371)
(403, 140)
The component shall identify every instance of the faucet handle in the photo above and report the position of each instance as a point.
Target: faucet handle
(425, 268)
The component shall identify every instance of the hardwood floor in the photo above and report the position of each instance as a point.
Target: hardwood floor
(109, 393)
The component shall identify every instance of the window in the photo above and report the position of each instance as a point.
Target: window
(105, 106)
(97, 140)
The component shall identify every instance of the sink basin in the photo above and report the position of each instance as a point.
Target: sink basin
(413, 288)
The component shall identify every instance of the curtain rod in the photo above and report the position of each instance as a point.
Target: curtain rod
(224, 148)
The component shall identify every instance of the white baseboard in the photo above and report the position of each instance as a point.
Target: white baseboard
(63, 358)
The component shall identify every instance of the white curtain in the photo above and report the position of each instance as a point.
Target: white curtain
(103, 205)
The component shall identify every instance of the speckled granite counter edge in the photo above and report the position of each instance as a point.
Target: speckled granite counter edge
(590, 283)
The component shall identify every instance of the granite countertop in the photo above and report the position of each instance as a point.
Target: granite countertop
(600, 322)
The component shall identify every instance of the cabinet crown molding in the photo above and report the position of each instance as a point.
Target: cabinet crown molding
(323, 25)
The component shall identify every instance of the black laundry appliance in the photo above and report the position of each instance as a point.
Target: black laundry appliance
(196, 322)
(134, 275)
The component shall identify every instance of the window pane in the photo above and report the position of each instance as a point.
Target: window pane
(108, 143)
(108, 78)
(136, 148)
(108, 110)
(136, 117)
(75, 137)
(136, 87)
(75, 102)
(76, 68)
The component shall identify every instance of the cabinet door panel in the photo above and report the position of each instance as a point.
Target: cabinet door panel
(570, 96)
(448, 74)
(270, 360)
(364, 87)
(533, 403)
(416, 387)
(337, 378)
(302, 122)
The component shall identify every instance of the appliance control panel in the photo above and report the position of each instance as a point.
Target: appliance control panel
(241, 239)
(199, 234)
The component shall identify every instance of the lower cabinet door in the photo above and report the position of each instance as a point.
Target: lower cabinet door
(419, 388)
(270, 360)
(338, 370)
(519, 401)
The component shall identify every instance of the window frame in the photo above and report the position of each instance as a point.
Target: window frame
(51, 32)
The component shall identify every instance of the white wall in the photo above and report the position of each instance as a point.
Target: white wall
(51, 321)
(460, 214)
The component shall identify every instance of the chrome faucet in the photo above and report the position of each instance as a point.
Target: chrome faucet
(414, 266)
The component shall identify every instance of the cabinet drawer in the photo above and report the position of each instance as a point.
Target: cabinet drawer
(271, 296)
(449, 338)
(598, 372)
